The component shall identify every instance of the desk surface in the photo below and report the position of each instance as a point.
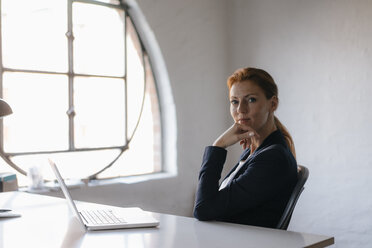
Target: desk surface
(47, 222)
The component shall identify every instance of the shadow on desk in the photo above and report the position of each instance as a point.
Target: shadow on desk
(74, 235)
(247, 236)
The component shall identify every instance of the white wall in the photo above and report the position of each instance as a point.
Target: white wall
(320, 54)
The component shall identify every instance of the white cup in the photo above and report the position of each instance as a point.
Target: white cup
(35, 176)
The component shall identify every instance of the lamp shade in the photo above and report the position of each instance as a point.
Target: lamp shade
(5, 109)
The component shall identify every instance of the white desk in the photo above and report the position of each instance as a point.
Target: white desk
(47, 222)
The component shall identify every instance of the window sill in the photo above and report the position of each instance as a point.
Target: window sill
(131, 179)
(71, 184)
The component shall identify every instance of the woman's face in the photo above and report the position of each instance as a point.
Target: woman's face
(249, 105)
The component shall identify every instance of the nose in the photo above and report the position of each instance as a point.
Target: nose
(243, 107)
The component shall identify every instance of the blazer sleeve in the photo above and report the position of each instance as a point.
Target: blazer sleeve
(261, 179)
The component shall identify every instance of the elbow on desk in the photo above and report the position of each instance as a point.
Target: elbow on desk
(202, 214)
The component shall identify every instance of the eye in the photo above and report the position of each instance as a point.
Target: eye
(252, 99)
(234, 102)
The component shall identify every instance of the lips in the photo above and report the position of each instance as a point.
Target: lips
(243, 121)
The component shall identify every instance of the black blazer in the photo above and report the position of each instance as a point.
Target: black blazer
(258, 193)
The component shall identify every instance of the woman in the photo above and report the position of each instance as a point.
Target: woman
(257, 189)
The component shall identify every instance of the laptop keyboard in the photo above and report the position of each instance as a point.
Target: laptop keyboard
(101, 217)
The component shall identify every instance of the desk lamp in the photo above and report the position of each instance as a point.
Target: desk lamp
(5, 109)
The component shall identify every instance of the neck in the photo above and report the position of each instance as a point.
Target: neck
(264, 132)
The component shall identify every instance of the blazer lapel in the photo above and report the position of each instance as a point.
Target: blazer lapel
(244, 155)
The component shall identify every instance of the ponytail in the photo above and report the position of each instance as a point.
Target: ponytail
(287, 136)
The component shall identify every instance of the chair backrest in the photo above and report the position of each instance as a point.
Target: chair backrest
(303, 174)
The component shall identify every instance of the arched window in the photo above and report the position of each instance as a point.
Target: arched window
(79, 80)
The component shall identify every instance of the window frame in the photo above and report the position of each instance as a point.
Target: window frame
(129, 8)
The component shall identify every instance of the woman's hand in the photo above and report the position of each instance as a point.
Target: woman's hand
(236, 133)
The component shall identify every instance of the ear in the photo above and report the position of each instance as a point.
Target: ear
(274, 101)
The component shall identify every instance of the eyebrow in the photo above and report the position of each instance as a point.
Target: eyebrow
(252, 94)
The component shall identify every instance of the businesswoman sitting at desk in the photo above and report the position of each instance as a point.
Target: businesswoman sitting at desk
(257, 189)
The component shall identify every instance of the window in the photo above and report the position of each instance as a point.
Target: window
(81, 87)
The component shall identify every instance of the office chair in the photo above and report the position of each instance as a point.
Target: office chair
(303, 174)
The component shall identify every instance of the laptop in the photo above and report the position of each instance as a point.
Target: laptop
(101, 219)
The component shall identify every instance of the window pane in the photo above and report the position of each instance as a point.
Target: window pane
(142, 141)
(152, 95)
(39, 121)
(33, 34)
(100, 116)
(99, 40)
(147, 138)
(135, 77)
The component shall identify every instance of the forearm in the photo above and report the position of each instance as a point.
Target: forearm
(209, 176)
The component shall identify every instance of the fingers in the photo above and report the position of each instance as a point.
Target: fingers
(245, 135)
(247, 129)
(245, 143)
(236, 133)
